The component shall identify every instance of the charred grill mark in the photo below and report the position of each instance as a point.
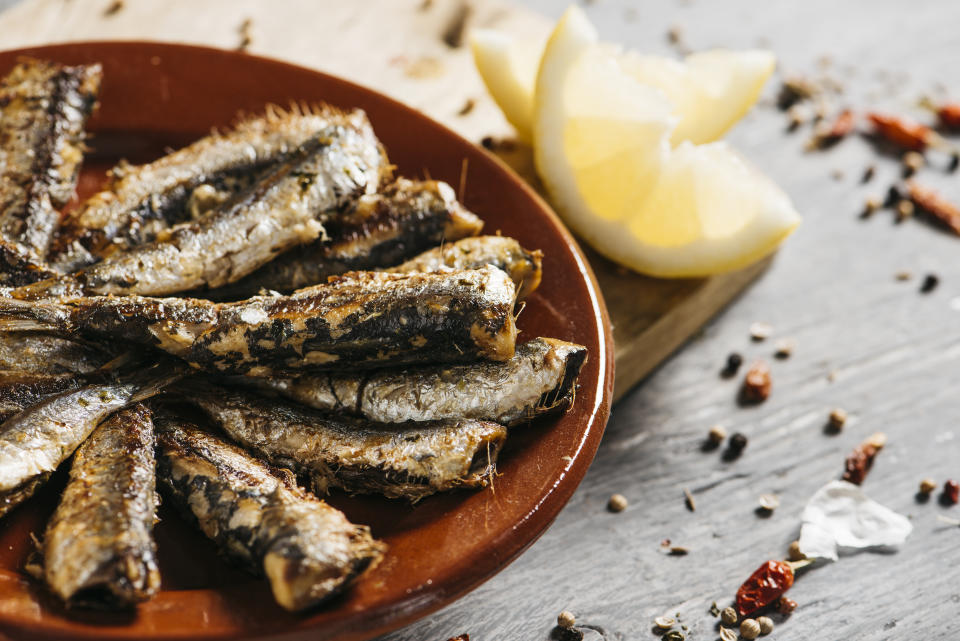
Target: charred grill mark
(43, 110)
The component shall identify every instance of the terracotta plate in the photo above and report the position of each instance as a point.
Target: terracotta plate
(157, 96)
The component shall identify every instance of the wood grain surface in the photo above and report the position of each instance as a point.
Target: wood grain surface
(865, 341)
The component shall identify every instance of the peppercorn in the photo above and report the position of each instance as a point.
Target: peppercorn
(930, 282)
(912, 162)
(954, 162)
(786, 605)
(717, 434)
(729, 616)
(766, 625)
(617, 503)
(738, 442)
(951, 491)
(566, 620)
(734, 361)
(927, 486)
(749, 629)
(838, 417)
(893, 195)
(794, 553)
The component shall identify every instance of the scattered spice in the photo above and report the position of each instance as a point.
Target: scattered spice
(893, 196)
(927, 486)
(930, 282)
(868, 174)
(617, 503)
(798, 116)
(870, 205)
(566, 620)
(757, 383)
(858, 464)
(487, 142)
(688, 500)
(738, 443)
(717, 434)
(948, 113)
(768, 502)
(951, 492)
(460, 637)
(838, 418)
(795, 89)
(679, 550)
(726, 634)
(827, 135)
(785, 605)
(954, 162)
(913, 161)
(905, 209)
(936, 205)
(424, 67)
(674, 35)
(837, 174)
(246, 34)
(903, 275)
(729, 616)
(903, 132)
(714, 610)
(734, 361)
(766, 625)
(664, 623)
(794, 553)
(673, 635)
(784, 348)
(467, 107)
(749, 629)
(766, 585)
(114, 7)
(453, 32)
(760, 331)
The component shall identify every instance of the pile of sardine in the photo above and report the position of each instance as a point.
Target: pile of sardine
(267, 307)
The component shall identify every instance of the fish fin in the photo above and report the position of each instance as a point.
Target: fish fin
(154, 380)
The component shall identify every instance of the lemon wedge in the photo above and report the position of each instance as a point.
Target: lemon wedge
(710, 91)
(602, 146)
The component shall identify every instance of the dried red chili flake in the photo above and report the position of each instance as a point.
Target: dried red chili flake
(756, 384)
(904, 132)
(833, 133)
(858, 464)
(936, 205)
(461, 637)
(948, 113)
(766, 585)
(951, 492)
(785, 605)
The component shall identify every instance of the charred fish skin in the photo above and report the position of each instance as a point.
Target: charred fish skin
(43, 109)
(20, 390)
(383, 229)
(98, 548)
(36, 441)
(142, 200)
(409, 461)
(540, 379)
(287, 208)
(524, 267)
(356, 321)
(257, 515)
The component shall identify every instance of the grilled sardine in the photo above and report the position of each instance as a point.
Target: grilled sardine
(43, 109)
(383, 229)
(308, 550)
(34, 442)
(98, 548)
(359, 320)
(539, 379)
(523, 267)
(285, 209)
(38, 353)
(142, 201)
(399, 461)
(20, 390)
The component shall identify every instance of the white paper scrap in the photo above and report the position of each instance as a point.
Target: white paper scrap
(840, 515)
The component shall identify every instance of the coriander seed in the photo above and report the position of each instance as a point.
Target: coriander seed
(766, 625)
(913, 161)
(760, 331)
(870, 205)
(566, 620)
(784, 348)
(664, 623)
(905, 209)
(728, 616)
(717, 434)
(617, 503)
(794, 553)
(674, 635)
(838, 417)
(749, 629)
(927, 486)
(769, 502)
(726, 634)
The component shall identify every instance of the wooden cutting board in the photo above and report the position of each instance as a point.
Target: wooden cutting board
(412, 50)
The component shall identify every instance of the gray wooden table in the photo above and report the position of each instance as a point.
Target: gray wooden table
(864, 341)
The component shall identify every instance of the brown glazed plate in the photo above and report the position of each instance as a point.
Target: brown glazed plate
(157, 96)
